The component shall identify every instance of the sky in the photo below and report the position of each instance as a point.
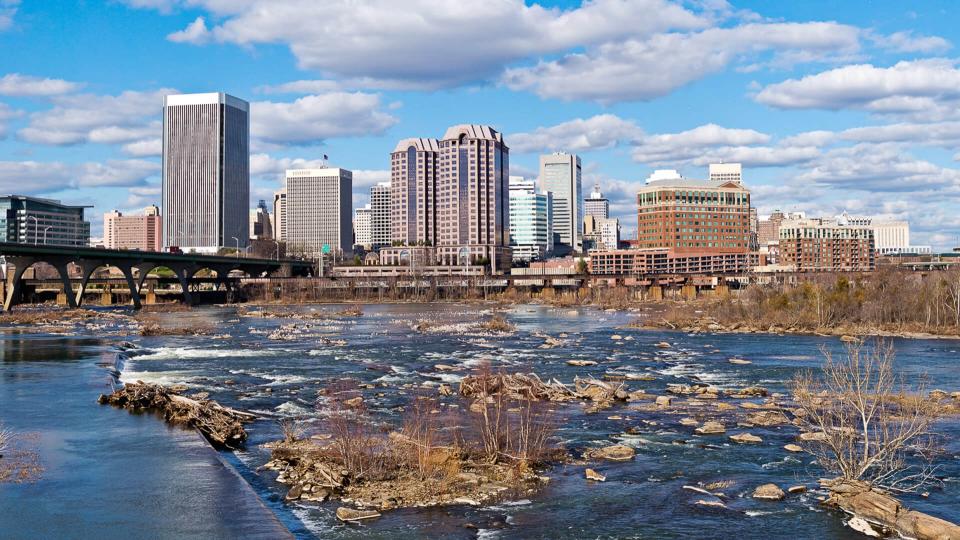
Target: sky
(830, 106)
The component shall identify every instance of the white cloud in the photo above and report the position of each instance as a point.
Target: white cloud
(7, 113)
(196, 33)
(425, 42)
(311, 119)
(15, 84)
(646, 69)
(907, 87)
(84, 118)
(142, 196)
(578, 135)
(33, 177)
(145, 148)
(878, 167)
(8, 8)
(909, 43)
(674, 148)
(303, 87)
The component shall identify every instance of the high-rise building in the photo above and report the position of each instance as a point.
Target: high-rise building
(473, 197)
(363, 227)
(560, 174)
(815, 245)
(690, 216)
(381, 231)
(133, 232)
(891, 237)
(413, 191)
(531, 236)
(596, 204)
(206, 171)
(726, 172)
(32, 220)
(280, 215)
(261, 225)
(318, 213)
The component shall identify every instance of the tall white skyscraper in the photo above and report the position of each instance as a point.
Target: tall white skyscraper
(380, 226)
(560, 175)
(319, 211)
(363, 227)
(596, 204)
(206, 171)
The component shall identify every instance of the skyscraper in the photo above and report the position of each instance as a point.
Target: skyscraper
(596, 204)
(413, 191)
(261, 225)
(363, 227)
(380, 223)
(280, 215)
(560, 175)
(530, 234)
(206, 171)
(473, 196)
(319, 209)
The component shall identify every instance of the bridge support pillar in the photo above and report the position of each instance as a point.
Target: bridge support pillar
(655, 292)
(184, 274)
(15, 287)
(132, 285)
(87, 267)
(68, 298)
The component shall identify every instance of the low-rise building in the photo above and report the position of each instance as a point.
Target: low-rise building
(825, 245)
(143, 233)
(658, 261)
(32, 220)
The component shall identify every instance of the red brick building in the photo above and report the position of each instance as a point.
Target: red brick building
(826, 245)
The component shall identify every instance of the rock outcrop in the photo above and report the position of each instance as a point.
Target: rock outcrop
(881, 510)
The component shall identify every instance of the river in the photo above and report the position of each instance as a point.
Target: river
(111, 474)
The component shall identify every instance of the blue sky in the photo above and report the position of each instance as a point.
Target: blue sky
(831, 106)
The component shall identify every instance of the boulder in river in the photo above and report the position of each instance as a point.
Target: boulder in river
(663, 401)
(793, 448)
(746, 438)
(768, 492)
(663, 345)
(591, 474)
(581, 363)
(617, 452)
(711, 428)
(350, 514)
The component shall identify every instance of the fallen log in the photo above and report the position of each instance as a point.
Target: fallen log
(222, 426)
(883, 511)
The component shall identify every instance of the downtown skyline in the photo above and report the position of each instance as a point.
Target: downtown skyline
(855, 111)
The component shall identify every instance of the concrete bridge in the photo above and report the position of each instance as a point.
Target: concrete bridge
(184, 266)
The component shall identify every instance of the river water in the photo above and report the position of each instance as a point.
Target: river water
(111, 474)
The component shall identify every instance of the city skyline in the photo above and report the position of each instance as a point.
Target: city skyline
(854, 111)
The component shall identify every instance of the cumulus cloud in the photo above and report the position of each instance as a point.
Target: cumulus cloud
(196, 33)
(909, 43)
(15, 84)
(33, 177)
(311, 119)
(909, 87)
(578, 135)
(145, 148)
(432, 44)
(881, 167)
(645, 69)
(673, 148)
(7, 113)
(105, 119)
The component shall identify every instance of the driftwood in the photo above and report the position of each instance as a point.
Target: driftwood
(882, 512)
(531, 386)
(222, 426)
(515, 386)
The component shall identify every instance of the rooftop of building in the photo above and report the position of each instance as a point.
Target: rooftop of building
(53, 202)
(691, 183)
(421, 144)
(324, 171)
(209, 98)
(473, 131)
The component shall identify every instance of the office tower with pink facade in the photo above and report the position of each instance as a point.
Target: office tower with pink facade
(143, 233)
(453, 194)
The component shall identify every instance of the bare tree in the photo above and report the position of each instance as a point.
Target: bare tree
(6, 439)
(866, 422)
